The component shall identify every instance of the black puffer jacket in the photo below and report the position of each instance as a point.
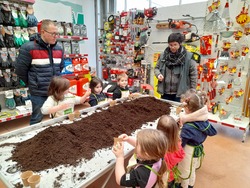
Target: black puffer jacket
(37, 63)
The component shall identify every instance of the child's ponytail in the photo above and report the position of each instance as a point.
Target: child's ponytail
(162, 173)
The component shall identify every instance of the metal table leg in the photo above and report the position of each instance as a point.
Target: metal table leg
(107, 179)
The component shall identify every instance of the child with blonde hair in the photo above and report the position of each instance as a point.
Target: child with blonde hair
(60, 101)
(150, 147)
(193, 133)
(175, 152)
(121, 90)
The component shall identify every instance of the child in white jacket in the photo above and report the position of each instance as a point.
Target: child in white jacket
(60, 101)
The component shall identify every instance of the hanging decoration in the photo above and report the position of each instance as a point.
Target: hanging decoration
(214, 21)
(243, 17)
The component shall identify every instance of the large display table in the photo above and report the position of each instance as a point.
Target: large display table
(84, 174)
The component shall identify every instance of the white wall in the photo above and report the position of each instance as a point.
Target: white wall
(89, 20)
(175, 13)
(60, 12)
(53, 11)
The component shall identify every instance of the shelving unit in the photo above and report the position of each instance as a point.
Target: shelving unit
(77, 73)
(20, 115)
(231, 74)
(74, 55)
(70, 38)
(121, 47)
(19, 111)
(22, 112)
(242, 125)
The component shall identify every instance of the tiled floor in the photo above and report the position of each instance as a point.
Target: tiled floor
(226, 163)
(227, 160)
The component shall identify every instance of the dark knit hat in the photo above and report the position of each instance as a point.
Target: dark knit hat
(176, 37)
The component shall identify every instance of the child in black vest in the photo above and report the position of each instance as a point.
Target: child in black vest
(97, 96)
(121, 91)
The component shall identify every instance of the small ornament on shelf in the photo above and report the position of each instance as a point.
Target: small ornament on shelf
(224, 114)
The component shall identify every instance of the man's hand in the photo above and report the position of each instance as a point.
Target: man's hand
(160, 77)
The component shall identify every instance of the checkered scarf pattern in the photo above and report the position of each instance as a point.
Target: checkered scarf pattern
(175, 59)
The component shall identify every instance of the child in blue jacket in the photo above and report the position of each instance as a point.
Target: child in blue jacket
(193, 134)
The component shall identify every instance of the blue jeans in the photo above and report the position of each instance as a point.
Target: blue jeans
(37, 103)
(171, 97)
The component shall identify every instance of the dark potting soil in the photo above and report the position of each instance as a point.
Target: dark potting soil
(68, 144)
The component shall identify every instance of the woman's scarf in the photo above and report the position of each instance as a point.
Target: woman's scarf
(175, 59)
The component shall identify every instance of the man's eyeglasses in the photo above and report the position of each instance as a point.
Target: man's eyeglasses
(52, 34)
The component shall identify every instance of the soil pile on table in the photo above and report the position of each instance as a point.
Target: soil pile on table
(68, 144)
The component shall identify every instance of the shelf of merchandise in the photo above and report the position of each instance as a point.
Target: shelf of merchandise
(242, 125)
(20, 115)
(2, 92)
(75, 75)
(70, 38)
(74, 55)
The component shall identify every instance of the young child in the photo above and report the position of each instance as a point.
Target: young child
(150, 147)
(198, 115)
(121, 90)
(175, 152)
(97, 96)
(193, 134)
(60, 101)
